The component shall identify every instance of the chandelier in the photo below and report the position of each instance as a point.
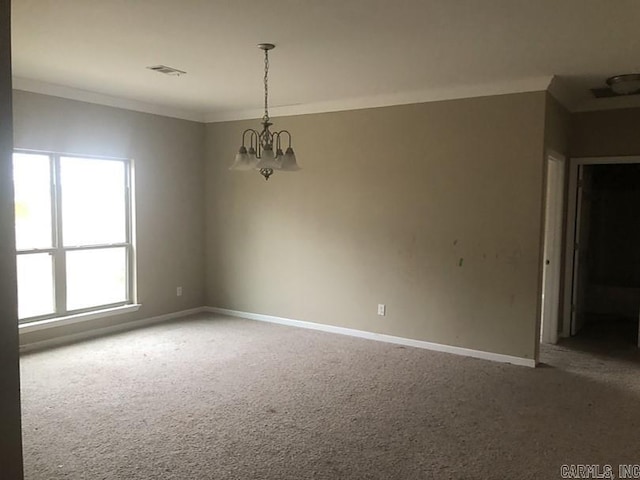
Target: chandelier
(260, 155)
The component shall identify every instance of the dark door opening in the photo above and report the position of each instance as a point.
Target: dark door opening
(608, 297)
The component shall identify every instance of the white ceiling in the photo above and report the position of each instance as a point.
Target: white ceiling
(330, 55)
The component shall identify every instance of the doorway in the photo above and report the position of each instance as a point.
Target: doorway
(603, 302)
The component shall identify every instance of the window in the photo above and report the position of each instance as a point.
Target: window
(73, 234)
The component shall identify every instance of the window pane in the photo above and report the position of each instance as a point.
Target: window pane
(93, 201)
(35, 285)
(96, 277)
(32, 184)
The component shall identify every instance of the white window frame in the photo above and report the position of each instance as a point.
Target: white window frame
(58, 250)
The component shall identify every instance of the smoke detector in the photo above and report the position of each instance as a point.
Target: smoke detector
(167, 70)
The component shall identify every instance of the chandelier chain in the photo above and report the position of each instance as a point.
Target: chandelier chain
(266, 85)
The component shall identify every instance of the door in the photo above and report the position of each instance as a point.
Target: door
(581, 249)
(552, 249)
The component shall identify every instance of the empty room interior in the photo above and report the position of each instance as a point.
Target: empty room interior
(332, 240)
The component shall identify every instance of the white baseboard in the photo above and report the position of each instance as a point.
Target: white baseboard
(467, 352)
(380, 337)
(143, 322)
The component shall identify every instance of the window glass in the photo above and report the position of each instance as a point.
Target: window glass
(93, 201)
(96, 277)
(32, 184)
(35, 285)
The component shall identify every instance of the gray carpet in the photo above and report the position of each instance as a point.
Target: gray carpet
(219, 398)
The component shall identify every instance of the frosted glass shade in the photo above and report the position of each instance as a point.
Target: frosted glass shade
(268, 160)
(288, 162)
(243, 161)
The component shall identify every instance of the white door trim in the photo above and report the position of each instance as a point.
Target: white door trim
(574, 165)
(552, 247)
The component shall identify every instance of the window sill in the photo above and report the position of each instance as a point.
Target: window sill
(78, 318)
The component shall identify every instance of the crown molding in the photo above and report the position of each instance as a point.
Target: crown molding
(533, 84)
(55, 90)
(555, 85)
(400, 98)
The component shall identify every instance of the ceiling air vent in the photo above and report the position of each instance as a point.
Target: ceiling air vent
(604, 92)
(167, 70)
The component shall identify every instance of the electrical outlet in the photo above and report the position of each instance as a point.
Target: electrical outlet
(382, 309)
(178, 291)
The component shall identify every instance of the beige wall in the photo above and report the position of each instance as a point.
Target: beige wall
(10, 436)
(433, 209)
(605, 133)
(556, 126)
(167, 155)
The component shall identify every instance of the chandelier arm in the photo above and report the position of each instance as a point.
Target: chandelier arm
(288, 134)
(276, 139)
(250, 138)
